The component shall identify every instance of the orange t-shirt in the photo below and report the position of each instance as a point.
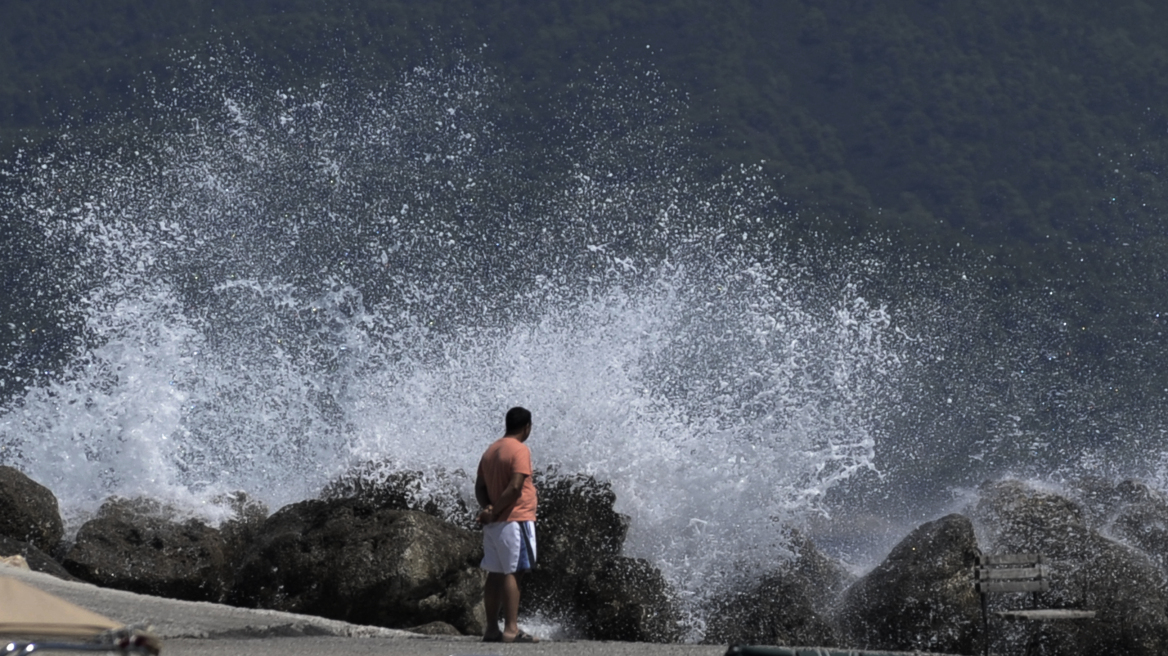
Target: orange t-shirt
(507, 456)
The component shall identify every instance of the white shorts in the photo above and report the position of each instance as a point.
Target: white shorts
(508, 547)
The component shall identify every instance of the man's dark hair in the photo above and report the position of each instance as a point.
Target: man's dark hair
(517, 419)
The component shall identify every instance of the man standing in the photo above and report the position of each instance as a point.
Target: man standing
(504, 490)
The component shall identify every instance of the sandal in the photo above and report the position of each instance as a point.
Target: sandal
(523, 636)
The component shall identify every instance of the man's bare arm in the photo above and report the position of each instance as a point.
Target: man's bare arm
(509, 496)
(481, 494)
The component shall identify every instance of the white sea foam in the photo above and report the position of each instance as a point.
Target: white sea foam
(295, 282)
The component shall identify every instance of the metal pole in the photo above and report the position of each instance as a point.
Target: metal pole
(985, 626)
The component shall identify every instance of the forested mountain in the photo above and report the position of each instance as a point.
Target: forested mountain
(1015, 122)
(1032, 133)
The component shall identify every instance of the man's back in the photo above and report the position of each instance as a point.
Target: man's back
(506, 457)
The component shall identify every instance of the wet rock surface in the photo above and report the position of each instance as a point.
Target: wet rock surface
(242, 529)
(348, 560)
(1018, 518)
(787, 606)
(1122, 584)
(921, 597)
(577, 529)
(435, 629)
(1139, 516)
(382, 485)
(38, 561)
(355, 560)
(627, 599)
(138, 545)
(581, 579)
(29, 511)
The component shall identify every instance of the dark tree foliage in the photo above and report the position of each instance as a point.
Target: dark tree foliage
(1032, 133)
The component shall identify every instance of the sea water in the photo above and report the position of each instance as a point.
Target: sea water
(266, 287)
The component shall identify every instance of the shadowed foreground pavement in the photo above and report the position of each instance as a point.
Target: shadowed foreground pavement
(189, 627)
(420, 646)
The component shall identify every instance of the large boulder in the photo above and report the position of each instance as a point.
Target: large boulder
(1129, 511)
(1096, 495)
(577, 531)
(786, 606)
(243, 527)
(1140, 518)
(1087, 570)
(29, 511)
(383, 484)
(921, 597)
(139, 545)
(1017, 518)
(627, 599)
(580, 578)
(37, 560)
(353, 561)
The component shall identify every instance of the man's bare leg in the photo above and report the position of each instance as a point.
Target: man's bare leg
(510, 602)
(501, 595)
(492, 600)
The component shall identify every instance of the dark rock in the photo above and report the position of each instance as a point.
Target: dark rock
(580, 579)
(383, 485)
(1140, 517)
(29, 511)
(435, 629)
(243, 528)
(577, 531)
(38, 561)
(1137, 492)
(823, 578)
(921, 597)
(1018, 518)
(352, 561)
(1087, 570)
(785, 607)
(137, 545)
(1097, 496)
(1126, 589)
(627, 599)
(1129, 511)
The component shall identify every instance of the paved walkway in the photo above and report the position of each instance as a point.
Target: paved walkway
(190, 628)
(195, 628)
(422, 647)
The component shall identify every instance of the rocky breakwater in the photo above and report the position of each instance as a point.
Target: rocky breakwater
(788, 605)
(349, 560)
(1101, 558)
(340, 558)
(29, 511)
(396, 550)
(401, 551)
(30, 522)
(1101, 547)
(582, 580)
(921, 598)
(142, 546)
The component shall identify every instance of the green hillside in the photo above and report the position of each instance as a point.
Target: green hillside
(1033, 134)
(1011, 122)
